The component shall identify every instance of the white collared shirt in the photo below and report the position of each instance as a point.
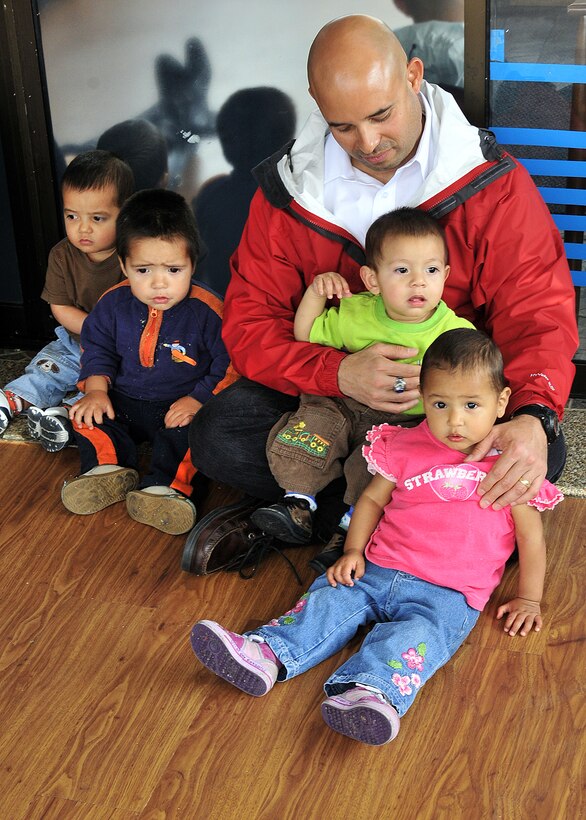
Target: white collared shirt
(357, 199)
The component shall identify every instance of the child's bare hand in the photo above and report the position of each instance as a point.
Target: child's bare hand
(91, 409)
(331, 284)
(347, 569)
(182, 411)
(522, 617)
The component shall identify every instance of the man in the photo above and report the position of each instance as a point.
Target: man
(383, 138)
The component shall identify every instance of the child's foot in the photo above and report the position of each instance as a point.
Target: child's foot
(9, 406)
(247, 664)
(362, 715)
(291, 520)
(98, 488)
(55, 429)
(162, 508)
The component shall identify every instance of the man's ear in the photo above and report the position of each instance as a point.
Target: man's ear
(122, 266)
(370, 279)
(415, 73)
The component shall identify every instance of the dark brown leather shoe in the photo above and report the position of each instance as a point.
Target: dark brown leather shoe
(333, 550)
(221, 537)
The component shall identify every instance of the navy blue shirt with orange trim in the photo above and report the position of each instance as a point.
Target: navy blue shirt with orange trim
(156, 355)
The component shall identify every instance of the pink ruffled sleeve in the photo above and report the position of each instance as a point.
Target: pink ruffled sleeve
(547, 497)
(376, 452)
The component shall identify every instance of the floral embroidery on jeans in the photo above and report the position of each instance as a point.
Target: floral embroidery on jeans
(288, 617)
(414, 659)
(402, 682)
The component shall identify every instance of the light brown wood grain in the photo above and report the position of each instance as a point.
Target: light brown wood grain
(105, 714)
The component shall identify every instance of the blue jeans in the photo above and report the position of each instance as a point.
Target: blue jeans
(51, 374)
(418, 627)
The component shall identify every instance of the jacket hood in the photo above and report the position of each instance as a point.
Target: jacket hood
(459, 150)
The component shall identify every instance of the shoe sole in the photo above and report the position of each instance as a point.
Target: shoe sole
(174, 516)
(359, 722)
(279, 525)
(219, 656)
(54, 434)
(191, 545)
(33, 420)
(88, 494)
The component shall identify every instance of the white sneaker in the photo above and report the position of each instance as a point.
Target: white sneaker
(33, 418)
(98, 488)
(162, 508)
(5, 412)
(55, 429)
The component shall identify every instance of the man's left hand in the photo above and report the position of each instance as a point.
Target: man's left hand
(519, 471)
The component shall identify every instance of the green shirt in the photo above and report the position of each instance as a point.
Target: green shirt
(361, 320)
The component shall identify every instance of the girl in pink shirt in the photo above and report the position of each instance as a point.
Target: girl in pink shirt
(420, 560)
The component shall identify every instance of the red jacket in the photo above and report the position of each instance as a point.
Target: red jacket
(509, 274)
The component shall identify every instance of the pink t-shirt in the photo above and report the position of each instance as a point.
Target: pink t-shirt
(434, 527)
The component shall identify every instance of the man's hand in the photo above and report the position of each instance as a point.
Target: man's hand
(182, 411)
(347, 569)
(522, 616)
(369, 377)
(91, 409)
(519, 471)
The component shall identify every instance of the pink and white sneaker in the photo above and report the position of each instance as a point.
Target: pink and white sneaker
(250, 665)
(362, 714)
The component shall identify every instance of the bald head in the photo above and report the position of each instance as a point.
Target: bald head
(351, 48)
(367, 93)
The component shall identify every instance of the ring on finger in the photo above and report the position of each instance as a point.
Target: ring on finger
(400, 385)
(524, 482)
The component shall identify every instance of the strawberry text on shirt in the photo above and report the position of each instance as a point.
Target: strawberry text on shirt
(449, 482)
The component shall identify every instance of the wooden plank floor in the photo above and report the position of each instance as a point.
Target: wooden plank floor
(106, 715)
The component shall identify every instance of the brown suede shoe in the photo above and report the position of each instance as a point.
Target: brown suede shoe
(220, 538)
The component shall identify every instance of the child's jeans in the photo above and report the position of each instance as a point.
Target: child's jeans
(419, 627)
(51, 374)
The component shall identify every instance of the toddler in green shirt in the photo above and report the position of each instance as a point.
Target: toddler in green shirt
(406, 267)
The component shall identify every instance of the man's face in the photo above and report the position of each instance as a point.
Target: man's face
(375, 115)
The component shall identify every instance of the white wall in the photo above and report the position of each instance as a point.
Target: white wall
(99, 54)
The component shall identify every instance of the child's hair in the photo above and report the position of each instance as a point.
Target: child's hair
(465, 350)
(140, 144)
(98, 169)
(410, 222)
(156, 213)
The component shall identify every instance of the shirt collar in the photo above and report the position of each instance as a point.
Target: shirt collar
(339, 166)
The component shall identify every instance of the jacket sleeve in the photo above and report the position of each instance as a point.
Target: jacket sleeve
(268, 280)
(522, 286)
(98, 346)
(220, 373)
